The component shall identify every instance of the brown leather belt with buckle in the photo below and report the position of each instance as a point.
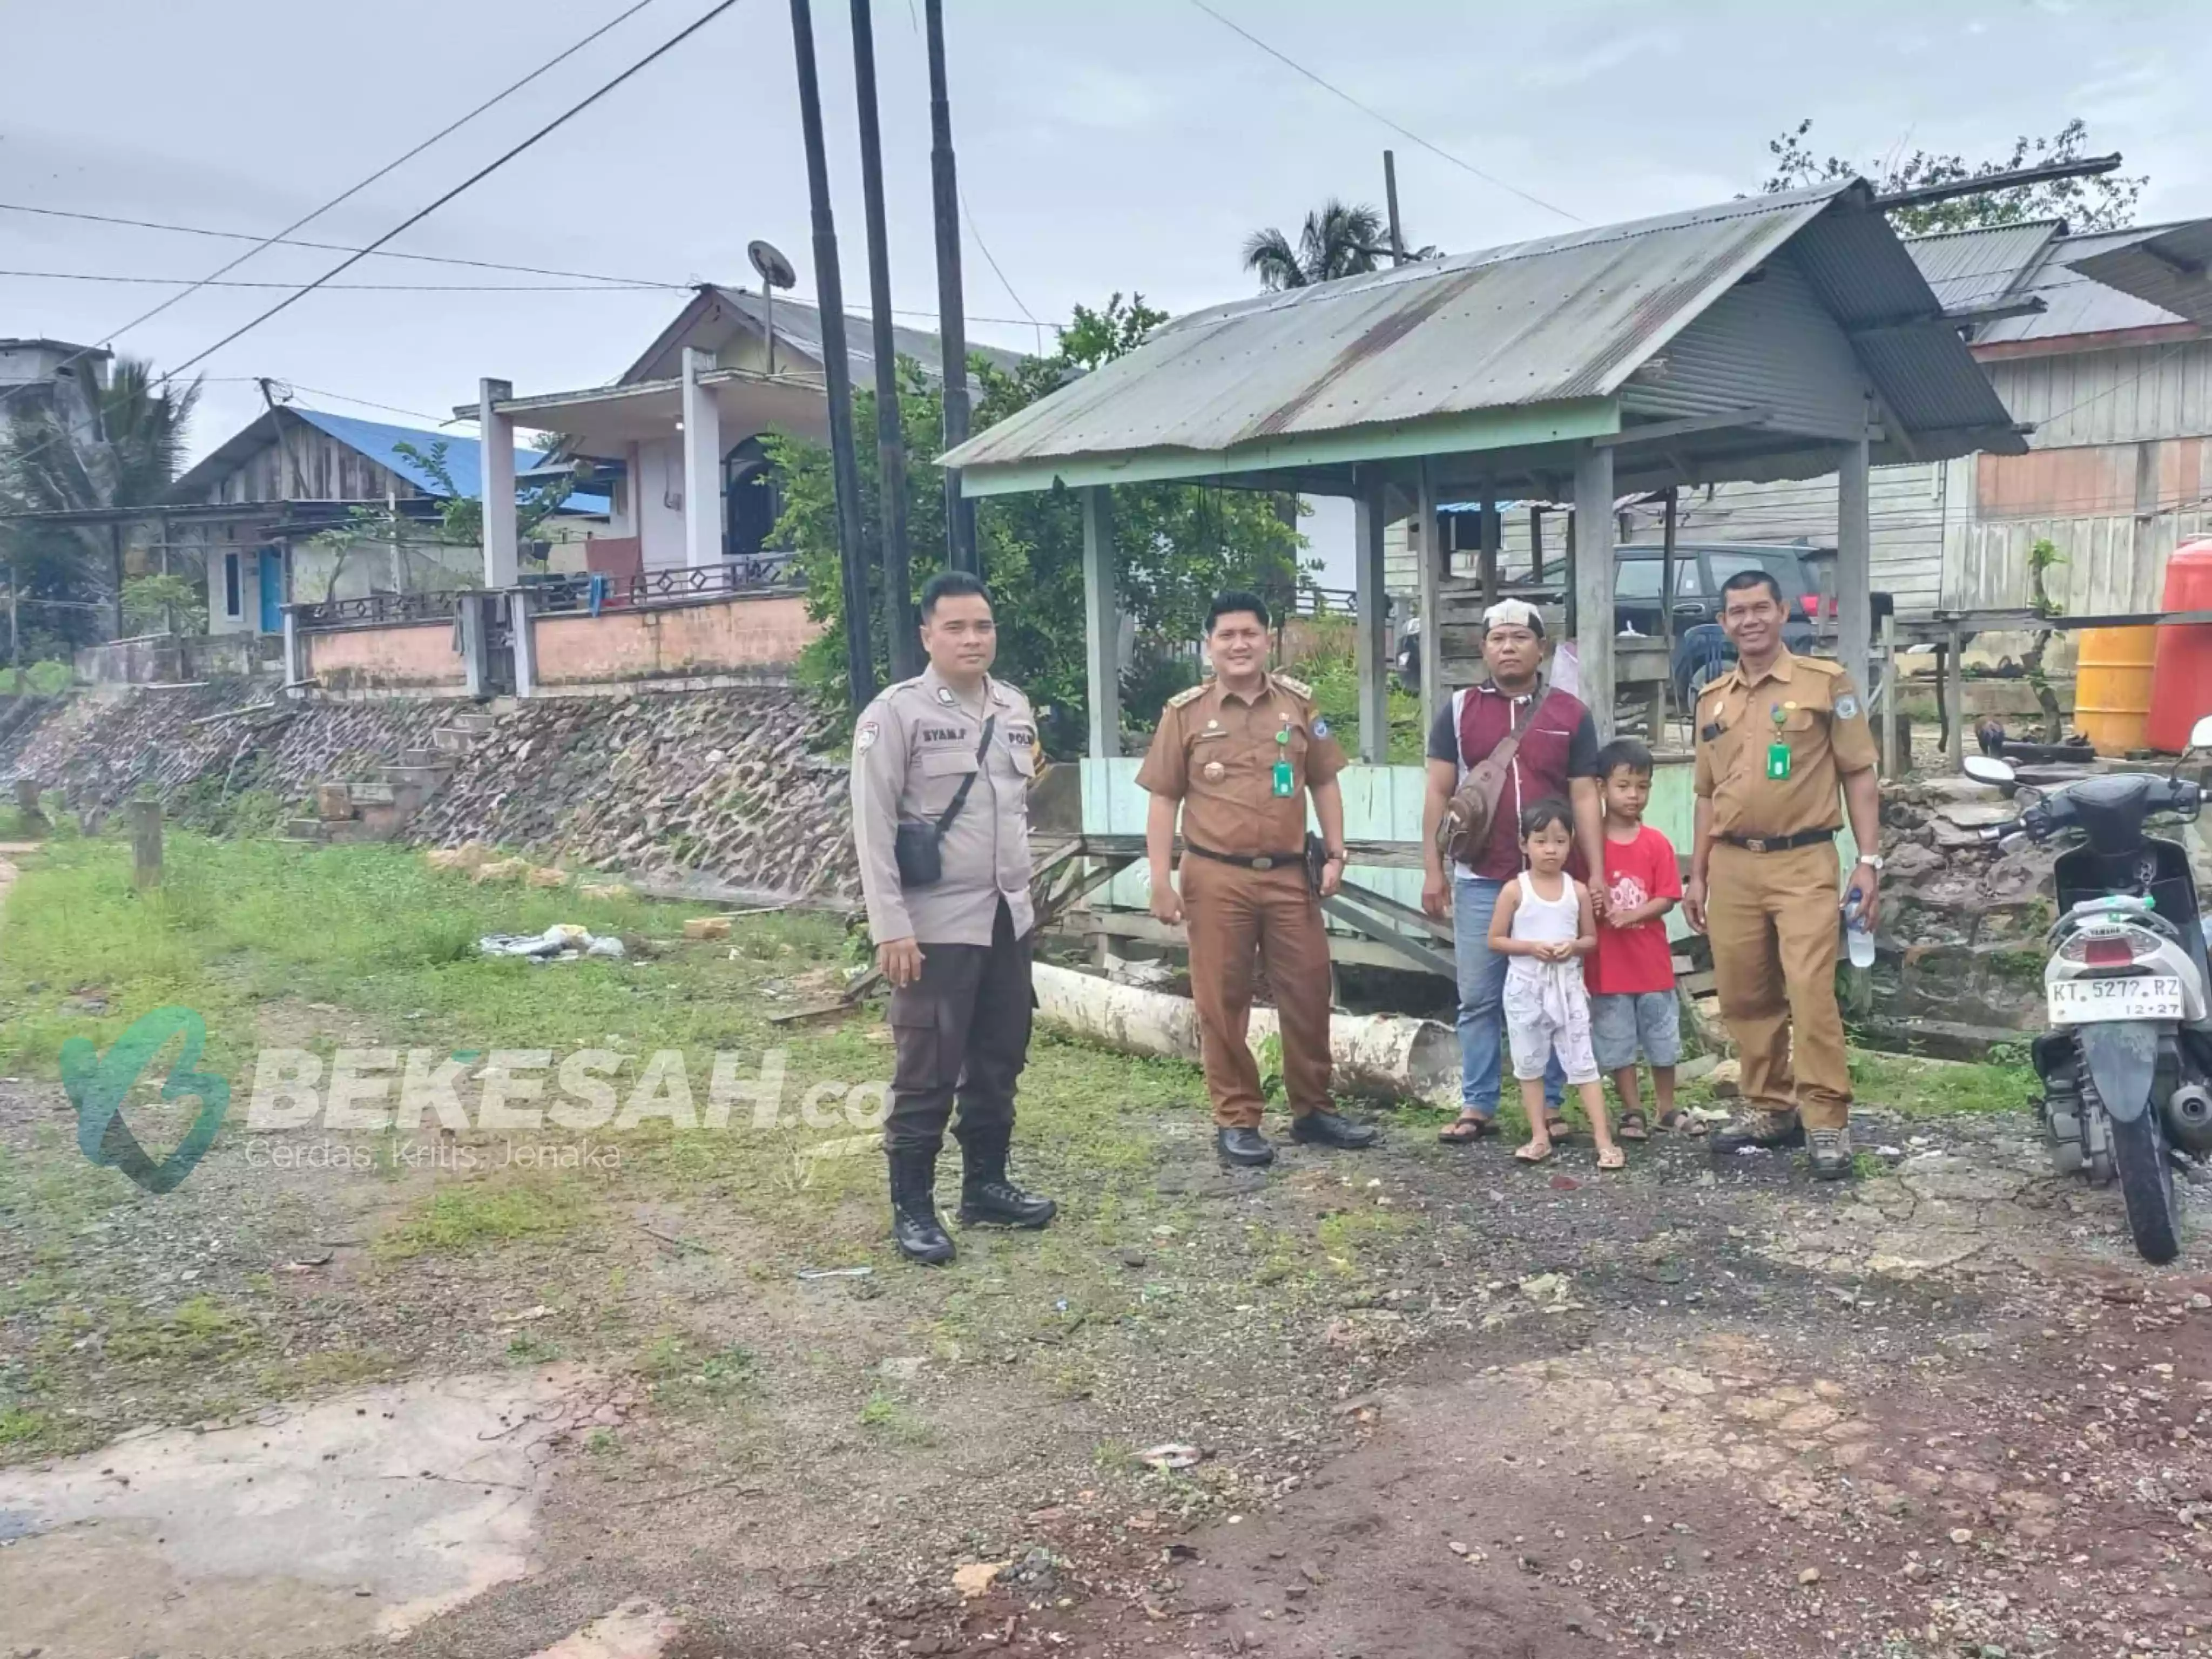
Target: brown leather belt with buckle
(1245, 861)
(1780, 843)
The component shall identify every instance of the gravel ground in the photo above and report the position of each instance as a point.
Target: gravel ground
(1433, 1397)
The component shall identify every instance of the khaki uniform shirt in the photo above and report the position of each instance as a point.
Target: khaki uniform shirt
(1215, 751)
(1806, 704)
(913, 747)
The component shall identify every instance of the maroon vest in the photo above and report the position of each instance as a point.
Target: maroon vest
(1539, 769)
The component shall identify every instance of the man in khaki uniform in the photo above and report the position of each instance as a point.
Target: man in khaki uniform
(1238, 756)
(1778, 736)
(956, 951)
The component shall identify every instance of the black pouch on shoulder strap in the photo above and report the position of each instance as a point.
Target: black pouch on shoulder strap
(919, 847)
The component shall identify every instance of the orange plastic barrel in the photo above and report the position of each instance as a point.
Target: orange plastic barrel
(2113, 685)
(2181, 688)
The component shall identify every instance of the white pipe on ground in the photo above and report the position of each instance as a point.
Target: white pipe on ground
(1391, 1055)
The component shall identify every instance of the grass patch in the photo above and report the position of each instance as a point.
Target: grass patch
(1925, 1088)
(22, 1431)
(468, 1218)
(201, 1331)
(887, 1420)
(683, 1373)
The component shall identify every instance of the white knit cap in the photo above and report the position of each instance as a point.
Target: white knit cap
(1514, 613)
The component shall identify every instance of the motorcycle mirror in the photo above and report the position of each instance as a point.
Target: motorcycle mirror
(1988, 768)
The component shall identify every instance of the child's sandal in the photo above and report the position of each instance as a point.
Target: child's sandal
(1532, 1154)
(1612, 1157)
(1633, 1127)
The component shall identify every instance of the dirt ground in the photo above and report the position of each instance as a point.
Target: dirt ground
(1417, 1401)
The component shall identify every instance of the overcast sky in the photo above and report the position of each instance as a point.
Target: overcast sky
(1127, 144)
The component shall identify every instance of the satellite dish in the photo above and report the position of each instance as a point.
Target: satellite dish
(775, 270)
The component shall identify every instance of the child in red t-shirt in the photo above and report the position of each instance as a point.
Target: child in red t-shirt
(1631, 974)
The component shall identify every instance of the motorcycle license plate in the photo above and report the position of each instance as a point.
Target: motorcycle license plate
(2091, 1002)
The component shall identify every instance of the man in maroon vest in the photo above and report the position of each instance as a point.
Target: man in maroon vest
(1557, 761)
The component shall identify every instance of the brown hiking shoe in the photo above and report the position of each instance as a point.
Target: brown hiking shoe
(1768, 1131)
(1832, 1153)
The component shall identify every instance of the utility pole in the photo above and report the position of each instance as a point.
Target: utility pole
(951, 303)
(15, 636)
(837, 370)
(1390, 194)
(905, 653)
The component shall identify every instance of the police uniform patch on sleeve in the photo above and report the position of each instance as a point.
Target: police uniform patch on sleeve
(1320, 727)
(865, 738)
(1847, 708)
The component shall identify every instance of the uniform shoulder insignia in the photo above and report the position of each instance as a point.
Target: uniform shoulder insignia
(1191, 696)
(1821, 665)
(1296, 687)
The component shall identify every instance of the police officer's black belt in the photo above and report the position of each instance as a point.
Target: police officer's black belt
(919, 848)
(1245, 861)
(1780, 843)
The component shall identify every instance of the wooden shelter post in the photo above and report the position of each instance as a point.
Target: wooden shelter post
(1593, 579)
(1854, 563)
(1102, 622)
(1368, 512)
(1428, 541)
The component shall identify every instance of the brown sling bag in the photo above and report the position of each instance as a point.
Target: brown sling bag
(1464, 831)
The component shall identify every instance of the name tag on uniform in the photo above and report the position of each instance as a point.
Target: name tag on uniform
(1777, 761)
(1286, 784)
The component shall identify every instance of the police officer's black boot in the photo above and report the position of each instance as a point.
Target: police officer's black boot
(915, 1227)
(987, 1197)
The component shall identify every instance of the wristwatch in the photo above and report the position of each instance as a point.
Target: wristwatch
(1335, 855)
(1872, 861)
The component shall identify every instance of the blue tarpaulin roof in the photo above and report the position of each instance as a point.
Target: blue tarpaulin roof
(464, 456)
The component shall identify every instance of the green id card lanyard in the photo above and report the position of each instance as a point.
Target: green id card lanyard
(1285, 785)
(1778, 752)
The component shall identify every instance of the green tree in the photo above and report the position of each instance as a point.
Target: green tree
(1338, 241)
(124, 450)
(1177, 543)
(2106, 202)
(374, 527)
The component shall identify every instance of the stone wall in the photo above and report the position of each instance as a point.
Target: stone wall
(209, 748)
(1960, 943)
(719, 782)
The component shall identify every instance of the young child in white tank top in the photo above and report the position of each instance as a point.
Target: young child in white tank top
(1544, 924)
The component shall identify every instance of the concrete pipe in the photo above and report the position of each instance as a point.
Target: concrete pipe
(1393, 1056)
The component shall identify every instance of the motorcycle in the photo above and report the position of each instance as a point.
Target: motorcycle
(2127, 1066)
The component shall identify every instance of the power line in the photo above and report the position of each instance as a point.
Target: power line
(354, 190)
(327, 247)
(1396, 126)
(474, 179)
(352, 288)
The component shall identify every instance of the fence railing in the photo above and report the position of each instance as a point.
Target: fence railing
(375, 610)
(595, 591)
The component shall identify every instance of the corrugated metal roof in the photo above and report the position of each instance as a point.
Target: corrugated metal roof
(1539, 322)
(380, 441)
(798, 326)
(2163, 266)
(2076, 302)
(1979, 267)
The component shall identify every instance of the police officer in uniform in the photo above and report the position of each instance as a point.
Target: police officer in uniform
(955, 950)
(1778, 736)
(1237, 756)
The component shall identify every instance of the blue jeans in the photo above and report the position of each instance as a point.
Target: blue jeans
(1481, 999)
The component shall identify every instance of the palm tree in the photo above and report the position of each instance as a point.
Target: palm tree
(127, 453)
(1339, 241)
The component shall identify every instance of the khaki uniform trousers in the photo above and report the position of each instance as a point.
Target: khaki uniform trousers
(1235, 916)
(1771, 918)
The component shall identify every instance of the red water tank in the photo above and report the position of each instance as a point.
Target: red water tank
(2181, 683)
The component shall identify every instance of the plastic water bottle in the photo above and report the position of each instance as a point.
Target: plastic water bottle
(1858, 937)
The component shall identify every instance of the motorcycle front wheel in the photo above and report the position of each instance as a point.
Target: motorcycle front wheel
(2146, 1184)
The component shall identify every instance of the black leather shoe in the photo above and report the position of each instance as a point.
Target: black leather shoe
(987, 1197)
(1246, 1147)
(1328, 1129)
(914, 1226)
(1768, 1131)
